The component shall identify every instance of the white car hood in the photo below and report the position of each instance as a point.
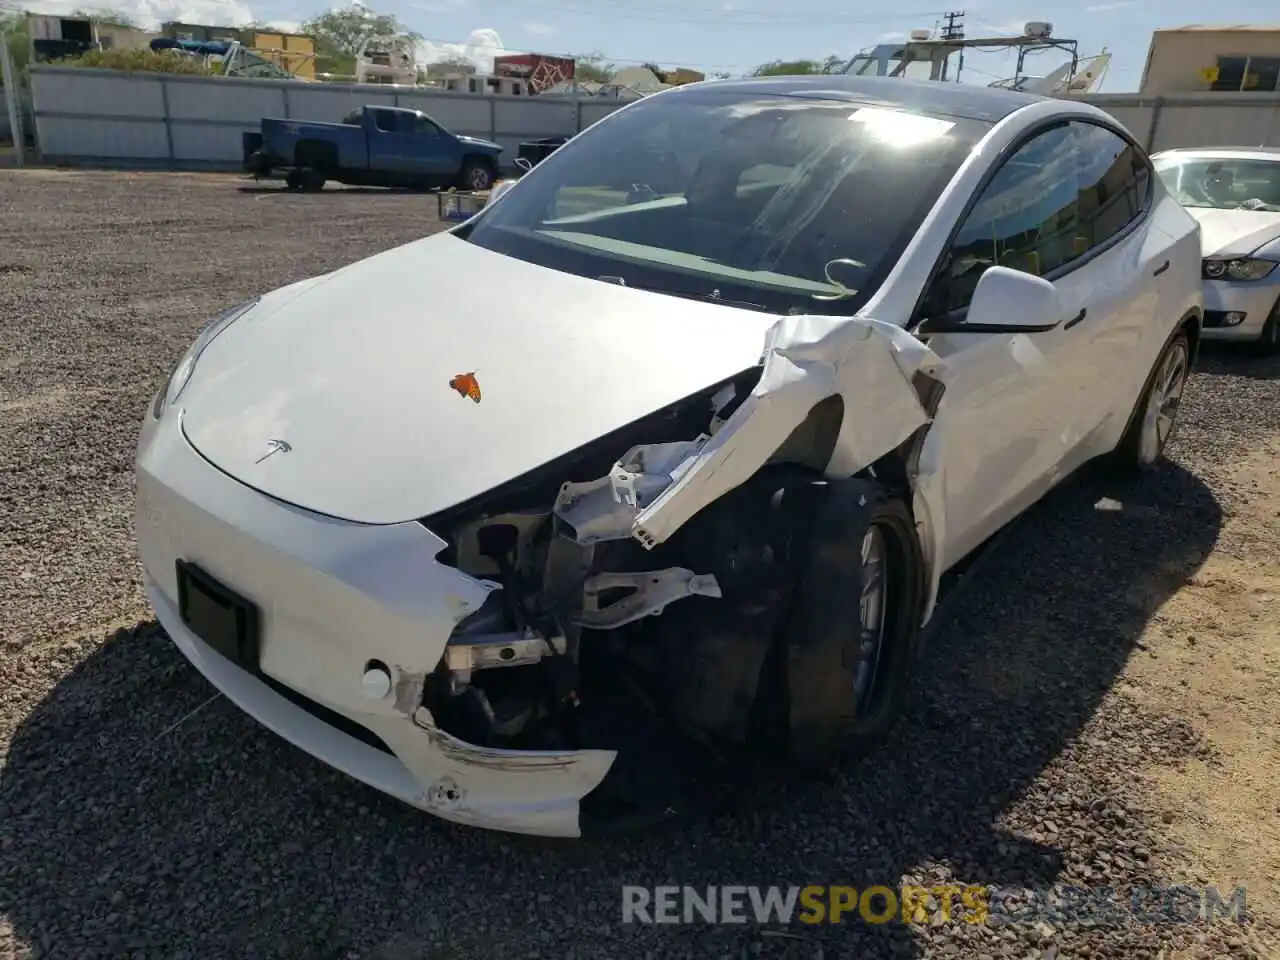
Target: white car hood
(354, 375)
(1234, 233)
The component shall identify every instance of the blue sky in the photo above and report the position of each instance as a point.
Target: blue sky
(735, 35)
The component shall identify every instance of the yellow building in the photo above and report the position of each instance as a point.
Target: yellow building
(681, 75)
(1198, 58)
(292, 52)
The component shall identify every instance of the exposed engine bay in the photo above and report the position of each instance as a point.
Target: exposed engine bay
(661, 646)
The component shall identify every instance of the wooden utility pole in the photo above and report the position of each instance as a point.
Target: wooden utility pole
(10, 76)
(953, 29)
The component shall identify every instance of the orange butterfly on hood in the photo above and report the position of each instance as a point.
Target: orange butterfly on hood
(467, 385)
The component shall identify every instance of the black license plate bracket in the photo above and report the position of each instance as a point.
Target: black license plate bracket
(222, 618)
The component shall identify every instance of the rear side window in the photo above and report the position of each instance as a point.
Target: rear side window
(1109, 199)
(1142, 181)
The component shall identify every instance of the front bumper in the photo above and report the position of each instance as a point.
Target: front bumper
(1256, 300)
(335, 595)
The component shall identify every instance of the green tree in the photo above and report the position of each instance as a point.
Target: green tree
(790, 68)
(142, 61)
(339, 34)
(593, 68)
(13, 32)
(656, 70)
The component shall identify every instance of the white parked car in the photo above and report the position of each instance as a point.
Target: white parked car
(1234, 192)
(660, 464)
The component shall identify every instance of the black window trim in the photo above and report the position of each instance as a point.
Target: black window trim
(1063, 269)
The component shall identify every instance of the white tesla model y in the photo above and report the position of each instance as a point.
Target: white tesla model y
(655, 467)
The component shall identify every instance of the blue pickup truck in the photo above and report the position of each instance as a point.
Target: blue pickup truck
(377, 147)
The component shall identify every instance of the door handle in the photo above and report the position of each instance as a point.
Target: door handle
(1161, 269)
(1076, 319)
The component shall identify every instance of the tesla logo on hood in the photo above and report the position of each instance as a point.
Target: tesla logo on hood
(274, 447)
(467, 385)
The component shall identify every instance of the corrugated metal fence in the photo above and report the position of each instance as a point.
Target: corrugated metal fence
(121, 118)
(1197, 120)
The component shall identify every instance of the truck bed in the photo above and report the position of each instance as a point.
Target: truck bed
(280, 138)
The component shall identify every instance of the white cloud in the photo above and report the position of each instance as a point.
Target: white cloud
(538, 29)
(1100, 7)
(893, 37)
(479, 49)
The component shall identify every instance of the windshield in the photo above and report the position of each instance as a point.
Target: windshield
(1222, 183)
(780, 204)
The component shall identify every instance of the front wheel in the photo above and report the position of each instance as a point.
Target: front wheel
(476, 176)
(1152, 423)
(853, 637)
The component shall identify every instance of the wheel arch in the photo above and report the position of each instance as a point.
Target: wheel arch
(1193, 323)
(486, 159)
(317, 154)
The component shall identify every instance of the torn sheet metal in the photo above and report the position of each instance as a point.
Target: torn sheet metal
(869, 364)
(654, 490)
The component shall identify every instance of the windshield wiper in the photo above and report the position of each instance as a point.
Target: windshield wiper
(712, 297)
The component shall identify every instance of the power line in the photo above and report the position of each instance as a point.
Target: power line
(683, 13)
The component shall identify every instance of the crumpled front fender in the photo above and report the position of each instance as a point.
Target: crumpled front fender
(874, 367)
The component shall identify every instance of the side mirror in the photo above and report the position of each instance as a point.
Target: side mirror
(1007, 301)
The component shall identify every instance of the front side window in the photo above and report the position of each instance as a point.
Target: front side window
(1065, 192)
(424, 126)
(1222, 183)
(1026, 218)
(784, 204)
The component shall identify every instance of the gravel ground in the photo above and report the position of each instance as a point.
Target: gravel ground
(1050, 746)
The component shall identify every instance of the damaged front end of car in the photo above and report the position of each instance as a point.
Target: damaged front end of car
(645, 606)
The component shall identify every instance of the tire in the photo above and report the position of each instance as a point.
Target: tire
(1268, 344)
(312, 181)
(476, 175)
(293, 180)
(1146, 437)
(846, 689)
